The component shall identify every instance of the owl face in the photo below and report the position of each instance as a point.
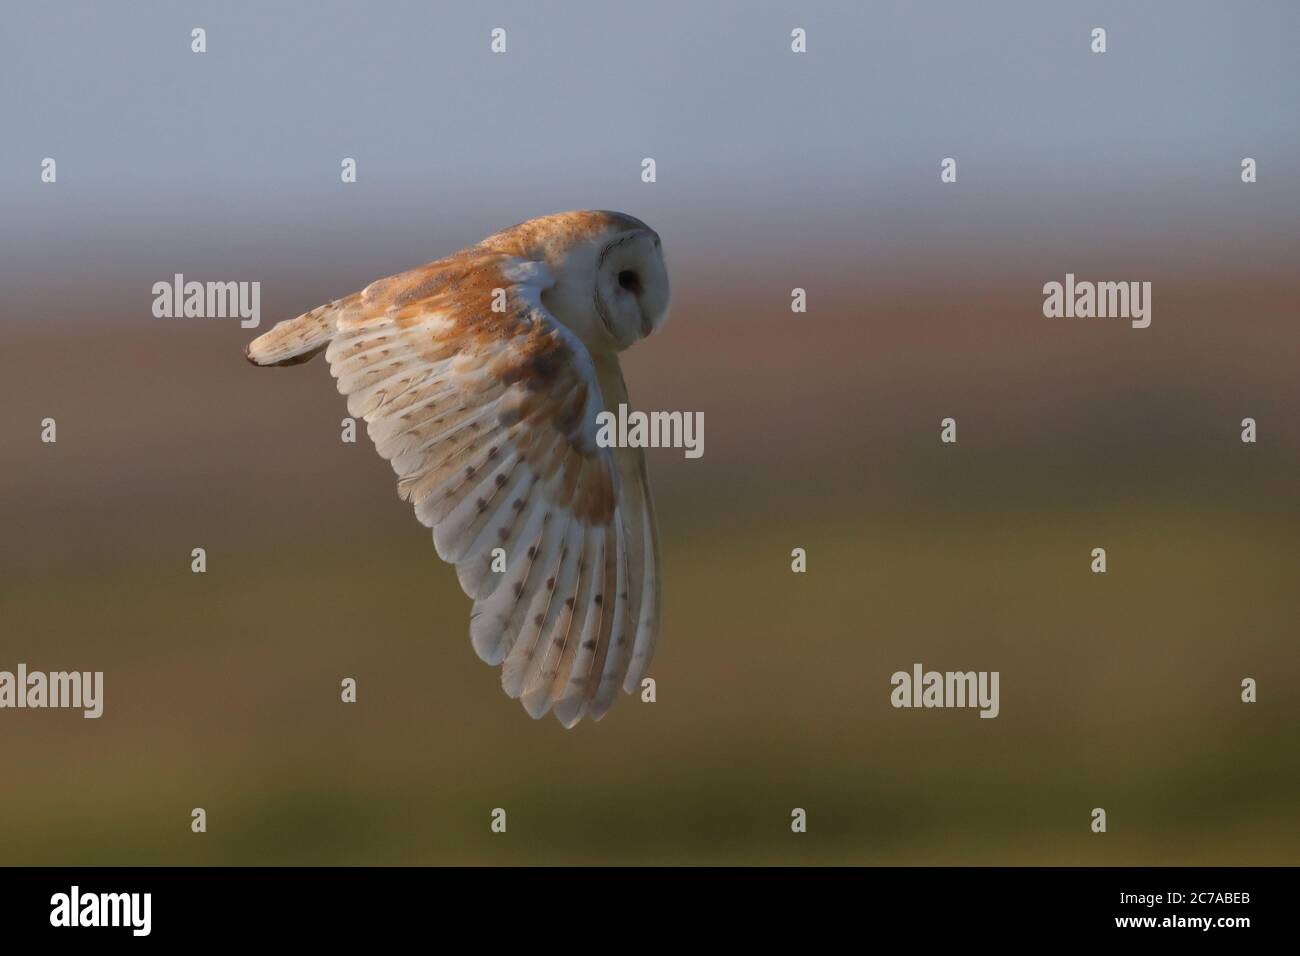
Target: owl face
(631, 286)
(611, 284)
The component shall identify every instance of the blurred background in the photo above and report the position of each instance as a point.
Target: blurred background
(775, 170)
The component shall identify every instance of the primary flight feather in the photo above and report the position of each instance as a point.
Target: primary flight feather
(480, 377)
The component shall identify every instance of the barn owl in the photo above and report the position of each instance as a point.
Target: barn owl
(480, 377)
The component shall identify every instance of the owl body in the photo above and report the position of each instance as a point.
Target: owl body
(480, 377)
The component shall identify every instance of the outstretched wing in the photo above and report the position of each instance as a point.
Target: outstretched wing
(486, 407)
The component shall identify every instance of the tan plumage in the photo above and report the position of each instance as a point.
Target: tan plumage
(489, 420)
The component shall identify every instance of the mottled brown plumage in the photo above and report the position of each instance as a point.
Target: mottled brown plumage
(480, 377)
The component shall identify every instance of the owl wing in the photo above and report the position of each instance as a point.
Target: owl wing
(486, 407)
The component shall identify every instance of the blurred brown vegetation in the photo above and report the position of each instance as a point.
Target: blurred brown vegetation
(1120, 691)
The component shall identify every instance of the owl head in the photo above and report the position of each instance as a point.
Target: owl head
(610, 282)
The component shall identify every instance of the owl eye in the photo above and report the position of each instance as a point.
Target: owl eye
(629, 281)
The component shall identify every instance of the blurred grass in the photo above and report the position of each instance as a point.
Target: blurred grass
(1118, 691)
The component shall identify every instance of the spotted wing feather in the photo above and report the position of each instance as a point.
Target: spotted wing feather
(488, 417)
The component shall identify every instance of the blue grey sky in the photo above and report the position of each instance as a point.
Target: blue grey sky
(172, 160)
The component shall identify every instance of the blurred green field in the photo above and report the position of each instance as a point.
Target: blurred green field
(1118, 691)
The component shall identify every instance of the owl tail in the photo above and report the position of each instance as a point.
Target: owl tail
(295, 341)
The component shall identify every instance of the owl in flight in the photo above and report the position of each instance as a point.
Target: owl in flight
(480, 377)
